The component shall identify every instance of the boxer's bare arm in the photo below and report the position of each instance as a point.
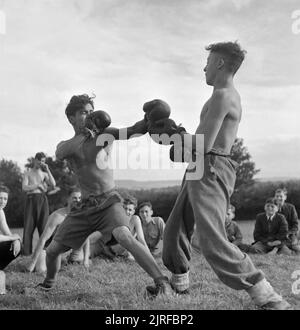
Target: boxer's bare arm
(26, 186)
(219, 107)
(212, 118)
(138, 129)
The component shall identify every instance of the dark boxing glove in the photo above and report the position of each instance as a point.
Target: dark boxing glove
(97, 121)
(156, 110)
(164, 126)
(178, 155)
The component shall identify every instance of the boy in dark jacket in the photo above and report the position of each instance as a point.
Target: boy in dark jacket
(270, 232)
(291, 216)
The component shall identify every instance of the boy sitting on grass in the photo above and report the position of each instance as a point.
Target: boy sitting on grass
(153, 228)
(270, 232)
(233, 231)
(291, 216)
(10, 244)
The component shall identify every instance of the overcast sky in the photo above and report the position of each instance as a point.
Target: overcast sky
(130, 51)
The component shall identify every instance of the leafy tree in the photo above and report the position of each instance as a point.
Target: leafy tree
(246, 170)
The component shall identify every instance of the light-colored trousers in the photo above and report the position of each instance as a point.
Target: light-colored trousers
(204, 202)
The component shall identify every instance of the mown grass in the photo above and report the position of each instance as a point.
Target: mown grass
(120, 285)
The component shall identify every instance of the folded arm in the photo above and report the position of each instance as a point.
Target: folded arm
(283, 231)
(29, 187)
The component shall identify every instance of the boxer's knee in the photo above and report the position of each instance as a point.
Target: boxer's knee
(55, 249)
(123, 236)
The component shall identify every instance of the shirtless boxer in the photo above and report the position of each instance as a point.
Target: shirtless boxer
(101, 209)
(35, 184)
(205, 201)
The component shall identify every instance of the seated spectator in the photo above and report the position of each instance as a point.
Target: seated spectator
(270, 232)
(38, 260)
(233, 231)
(153, 228)
(291, 216)
(10, 244)
(136, 229)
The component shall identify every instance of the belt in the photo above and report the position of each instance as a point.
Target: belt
(215, 152)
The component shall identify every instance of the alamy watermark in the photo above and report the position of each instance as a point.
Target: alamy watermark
(296, 21)
(136, 154)
(2, 22)
(296, 283)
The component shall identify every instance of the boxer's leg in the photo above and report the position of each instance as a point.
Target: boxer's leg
(53, 263)
(210, 198)
(178, 232)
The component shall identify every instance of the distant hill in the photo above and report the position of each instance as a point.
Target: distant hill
(131, 184)
(276, 179)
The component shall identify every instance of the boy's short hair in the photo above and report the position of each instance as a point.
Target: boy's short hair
(233, 53)
(74, 190)
(39, 155)
(130, 200)
(77, 103)
(146, 204)
(281, 190)
(271, 200)
(232, 208)
(4, 189)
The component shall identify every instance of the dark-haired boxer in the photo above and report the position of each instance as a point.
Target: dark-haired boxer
(101, 209)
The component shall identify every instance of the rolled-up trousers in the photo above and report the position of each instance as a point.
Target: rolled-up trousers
(204, 202)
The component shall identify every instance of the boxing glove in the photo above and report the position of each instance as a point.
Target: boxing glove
(96, 122)
(98, 119)
(164, 128)
(156, 110)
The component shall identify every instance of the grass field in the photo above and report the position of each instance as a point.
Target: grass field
(120, 285)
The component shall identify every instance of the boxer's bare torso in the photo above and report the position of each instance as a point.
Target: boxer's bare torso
(219, 119)
(89, 162)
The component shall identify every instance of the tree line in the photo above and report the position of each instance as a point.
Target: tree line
(248, 198)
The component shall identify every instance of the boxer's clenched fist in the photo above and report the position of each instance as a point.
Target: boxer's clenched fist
(156, 110)
(96, 122)
(165, 126)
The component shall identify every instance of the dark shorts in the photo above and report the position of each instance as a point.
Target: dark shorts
(102, 213)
